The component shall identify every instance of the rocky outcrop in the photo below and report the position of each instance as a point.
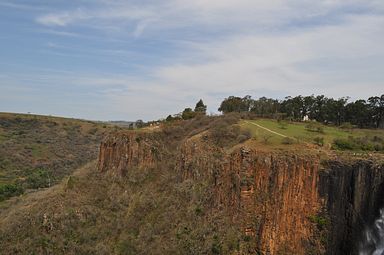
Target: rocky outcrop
(120, 152)
(283, 202)
(271, 196)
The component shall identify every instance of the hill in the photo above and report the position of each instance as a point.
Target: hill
(38, 151)
(202, 186)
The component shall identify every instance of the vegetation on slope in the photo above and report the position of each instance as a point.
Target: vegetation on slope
(149, 211)
(38, 151)
(362, 113)
(315, 133)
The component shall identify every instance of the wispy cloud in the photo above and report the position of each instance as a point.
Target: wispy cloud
(30, 7)
(63, 18)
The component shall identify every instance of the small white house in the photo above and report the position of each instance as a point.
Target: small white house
(306, 118)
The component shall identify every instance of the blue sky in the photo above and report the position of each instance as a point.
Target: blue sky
(115, 59)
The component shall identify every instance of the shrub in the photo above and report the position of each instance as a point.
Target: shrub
(361, 143)
(344, 144)
(38, 178)
(10, 190)
(244, 136)
(346, 125)
(93, 131)
(246, 238)
(216, 245)
(319, 141)
(315, 127)
(223, 135)
(70, 183)
(266, 138)
(282, 124)
(287, 140)
(320, 221)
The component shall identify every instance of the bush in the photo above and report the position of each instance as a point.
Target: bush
(282, 124)
(287, 140)
(224, 135)
(93, 131)
(320, 221)
(244, 136)
(346, 125)
(266, 138)
(344, 144)
(319, 141)
(361, 143)
(38, 178)
(10, 190)
(315, 127)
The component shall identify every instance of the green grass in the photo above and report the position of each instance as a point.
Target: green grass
(299, 132)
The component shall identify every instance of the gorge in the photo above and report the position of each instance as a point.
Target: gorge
(284, 201)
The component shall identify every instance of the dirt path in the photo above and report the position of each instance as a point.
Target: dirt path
(266, 129)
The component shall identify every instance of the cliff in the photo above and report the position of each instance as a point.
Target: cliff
(119, 152)
(283, 201)
(353, 193)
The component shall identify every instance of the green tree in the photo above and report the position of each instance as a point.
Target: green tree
(235, 104)
(265, 106)
(169, 118)
(358, 113)
(200, 107)
(376, 105)
(188, 114)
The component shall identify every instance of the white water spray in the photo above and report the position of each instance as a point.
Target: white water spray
(373, 239)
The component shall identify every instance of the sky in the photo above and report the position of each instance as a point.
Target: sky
(145, 59)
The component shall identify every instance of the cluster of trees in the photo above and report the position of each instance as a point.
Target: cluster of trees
(188, 113)
(362, 113)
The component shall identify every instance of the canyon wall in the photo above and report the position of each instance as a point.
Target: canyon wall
(284, 201)
(119, 152)
(354, 193)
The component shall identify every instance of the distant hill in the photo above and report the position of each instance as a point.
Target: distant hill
(122, 123)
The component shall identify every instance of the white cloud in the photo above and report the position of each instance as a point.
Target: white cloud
(63, 18)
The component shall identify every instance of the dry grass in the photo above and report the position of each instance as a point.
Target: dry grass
(38, 151)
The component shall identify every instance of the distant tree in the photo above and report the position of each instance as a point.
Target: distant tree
(139, 123)
(308, 104)
(293, 107)
(235, 104)
(265, 106)
(321, 108)
(335, 110)
(376, 108)
(200, 107)
(169, 118)
(188, 114)
(357, 113)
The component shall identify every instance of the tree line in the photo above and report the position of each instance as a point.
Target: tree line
(362, 113)
(188, 113)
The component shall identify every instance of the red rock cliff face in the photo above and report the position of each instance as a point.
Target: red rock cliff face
(118, 153)
(272, 196)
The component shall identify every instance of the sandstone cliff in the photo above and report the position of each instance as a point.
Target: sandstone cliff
(283, 202)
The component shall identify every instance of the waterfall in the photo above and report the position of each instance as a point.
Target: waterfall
(373, 239)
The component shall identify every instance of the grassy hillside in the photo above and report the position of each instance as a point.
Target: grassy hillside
(149, 211)
(309, 133)
(38, 151)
